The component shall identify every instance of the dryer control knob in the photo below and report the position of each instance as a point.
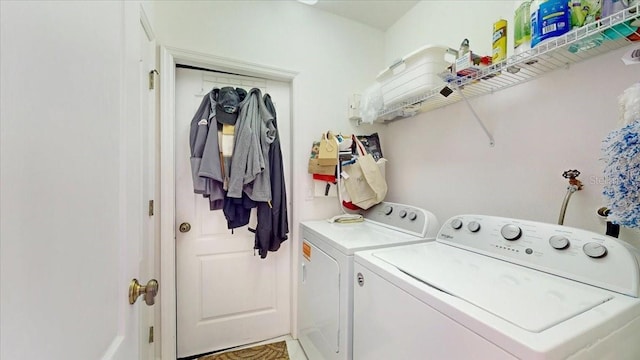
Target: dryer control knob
(594, 250)
(473, 226)
(559, 242)
(511, 232)
(413, 216)
(388, 210)
(403, 214)
(456, 224)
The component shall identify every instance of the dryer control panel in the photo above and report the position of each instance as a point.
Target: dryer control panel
(572, 253)
(406, 218)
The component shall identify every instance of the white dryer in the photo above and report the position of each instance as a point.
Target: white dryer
(499, 288)
(325, 281)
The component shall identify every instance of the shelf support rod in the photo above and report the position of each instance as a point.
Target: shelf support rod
(484, 128)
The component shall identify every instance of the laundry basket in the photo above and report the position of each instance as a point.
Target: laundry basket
(413, 74)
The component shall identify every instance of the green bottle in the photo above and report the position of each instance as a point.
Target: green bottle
(522, 27)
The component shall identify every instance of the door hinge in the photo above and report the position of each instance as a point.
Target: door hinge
(150, 207)
(150, 334)
(152, 78)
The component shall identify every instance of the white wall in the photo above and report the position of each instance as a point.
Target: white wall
(448, 23)
(441, 160)
(334, 57)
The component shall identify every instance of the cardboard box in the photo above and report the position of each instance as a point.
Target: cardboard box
(465, 64)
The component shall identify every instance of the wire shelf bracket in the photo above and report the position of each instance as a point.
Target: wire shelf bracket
(492, 142)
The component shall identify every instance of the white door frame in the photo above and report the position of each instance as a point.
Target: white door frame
(150, 317)
(169, 58)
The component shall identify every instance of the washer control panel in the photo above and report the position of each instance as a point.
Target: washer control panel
(572, 253)
(403, 217)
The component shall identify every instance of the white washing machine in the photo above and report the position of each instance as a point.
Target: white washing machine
(499, 288)
(325, 281)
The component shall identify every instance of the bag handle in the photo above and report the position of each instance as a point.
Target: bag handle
(360, 149)
(329, 145)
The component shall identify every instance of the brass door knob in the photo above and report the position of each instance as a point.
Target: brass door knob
(149, 291)
(185, 227)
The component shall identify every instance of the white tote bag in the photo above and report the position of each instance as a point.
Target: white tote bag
(364, 181)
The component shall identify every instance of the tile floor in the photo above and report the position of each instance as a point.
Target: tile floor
(293, 347)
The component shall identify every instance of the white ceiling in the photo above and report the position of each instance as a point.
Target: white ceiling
(380, 14)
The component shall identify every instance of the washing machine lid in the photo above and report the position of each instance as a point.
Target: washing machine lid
(530, 299)
(351, 237)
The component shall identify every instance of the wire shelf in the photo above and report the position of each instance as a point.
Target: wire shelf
(580, 44)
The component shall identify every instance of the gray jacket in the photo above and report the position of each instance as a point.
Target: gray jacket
(205, 154)
(254, 133)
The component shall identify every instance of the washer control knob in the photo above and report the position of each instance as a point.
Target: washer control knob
(511, 232)
(559, 242)
(403, 214)
(456, 224)
(413, 216)
(594, 250)
(473, 226)
(388, 210)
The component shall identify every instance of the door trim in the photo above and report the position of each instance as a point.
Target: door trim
(169, 57)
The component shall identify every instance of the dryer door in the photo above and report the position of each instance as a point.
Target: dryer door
(319, 303)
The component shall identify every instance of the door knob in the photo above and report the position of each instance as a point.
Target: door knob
(185, 227)
(149, 291)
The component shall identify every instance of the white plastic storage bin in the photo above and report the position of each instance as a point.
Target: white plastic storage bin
(413, 74)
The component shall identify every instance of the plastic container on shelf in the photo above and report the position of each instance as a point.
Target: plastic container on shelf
(522, 27)
(610, 7)
(584, 12)
(533, 19)
(413, 74)
(549, 19)
(499, 41)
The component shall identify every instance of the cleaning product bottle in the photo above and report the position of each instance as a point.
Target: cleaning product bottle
(584, 12)
(553, 18)
(522, 27)
(499, 41)
(535, 28)
(578, 13)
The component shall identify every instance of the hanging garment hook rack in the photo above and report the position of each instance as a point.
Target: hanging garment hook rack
(484, 128)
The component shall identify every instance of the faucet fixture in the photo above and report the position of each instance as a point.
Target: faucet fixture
(574, 185)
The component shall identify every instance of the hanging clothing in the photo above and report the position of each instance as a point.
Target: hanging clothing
(273, 223)
(252, 177)
(254, 133)
(205, 159)
(238, 211)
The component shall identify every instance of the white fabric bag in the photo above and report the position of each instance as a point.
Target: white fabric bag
(364, 181)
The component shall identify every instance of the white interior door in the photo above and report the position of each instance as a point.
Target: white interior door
(226, 295)
(72, 185)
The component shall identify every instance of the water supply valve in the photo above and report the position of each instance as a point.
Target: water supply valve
(572, 176)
